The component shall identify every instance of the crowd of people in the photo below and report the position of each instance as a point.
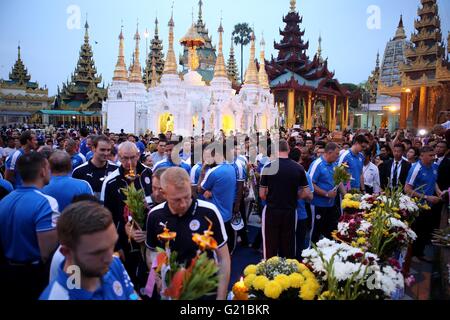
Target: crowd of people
(62, 199)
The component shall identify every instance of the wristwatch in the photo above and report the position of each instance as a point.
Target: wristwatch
(326, 195)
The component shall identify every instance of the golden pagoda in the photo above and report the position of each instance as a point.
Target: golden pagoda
(220, 69)
(251, 75)
(20, 98)
(136, 75)
(170, 65)
(120, 72)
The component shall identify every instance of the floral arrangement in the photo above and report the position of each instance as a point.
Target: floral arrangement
(341, 175)
(134, 206)
(277, 279)
(351, 203)
(180, 282)
(348, 273)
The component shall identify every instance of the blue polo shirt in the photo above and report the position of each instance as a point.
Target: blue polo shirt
(23, 213)
(321, 174)
(5, 184)
(11, 164)
(141, 146)
(301, 209)
(89, 156)
(221, 182)
(65, 188)
(240, 170)
(83, 147)
(195, 173)
(77, 160)
(166, 163)
(115, 285)
(422, 178)
(355, 163)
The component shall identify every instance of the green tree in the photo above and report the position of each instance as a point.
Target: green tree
(241, 35)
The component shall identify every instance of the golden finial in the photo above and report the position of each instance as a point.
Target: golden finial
(120, 72)
(219, 68)
(136, 75)
(170, 66)
(263, 78)
(251, 76)
(293, 5)
(154, 81)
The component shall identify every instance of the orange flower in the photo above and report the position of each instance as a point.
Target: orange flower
(176, 286)
(161, 259)
(167, 235)
(205, 241)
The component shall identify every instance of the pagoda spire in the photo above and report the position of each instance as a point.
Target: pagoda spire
(251, 76)
(263, 78)
(120, 72)
(19, 73)
(170, 66)
(319, 50)
(232, 68)
(200, 13)
(136, 75)
(86, 32)
(378, 60)
(219, 69)
(400, 33)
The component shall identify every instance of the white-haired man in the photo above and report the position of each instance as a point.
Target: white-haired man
(130, 172)
(185, 216)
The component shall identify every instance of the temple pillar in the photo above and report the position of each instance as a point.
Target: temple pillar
(403, 110)
(333, 114)
(291, 109)
(422, 116)
(308, 112)
(345, 114)
(328, 114)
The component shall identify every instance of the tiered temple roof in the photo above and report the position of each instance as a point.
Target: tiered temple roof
(82, 92)
(293, 69)
(427, 49)
(156, 53)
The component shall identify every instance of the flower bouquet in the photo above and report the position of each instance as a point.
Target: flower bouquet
(351, 203)
(135, 207)
(181, 282)
(277, 279)
(348, 273)
(341, 175)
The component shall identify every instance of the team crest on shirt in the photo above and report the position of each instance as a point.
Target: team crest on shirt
(147, 180)
(194, 225)
(117, 287)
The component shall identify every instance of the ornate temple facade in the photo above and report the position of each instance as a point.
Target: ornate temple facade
(20, 98)
(384, 85)
(305, 91)
(79, 101)
(206, 52)
(185, 103)
(426, 74)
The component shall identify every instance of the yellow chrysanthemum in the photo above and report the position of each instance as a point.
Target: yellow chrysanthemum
(259, 283)
(273, 260)
(273, 289)
(283, 280)
(248, 280)
(308, 274)
(348, 196)
(307, 293)
(361, 240)
(251, 269)
(296, 280)
(325, 295)
(302, 267)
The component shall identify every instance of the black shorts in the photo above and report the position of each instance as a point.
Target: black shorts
(324, 222)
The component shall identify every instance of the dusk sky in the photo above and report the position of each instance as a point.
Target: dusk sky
(50, 35)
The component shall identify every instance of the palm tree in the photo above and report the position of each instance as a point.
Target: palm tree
(241, 35)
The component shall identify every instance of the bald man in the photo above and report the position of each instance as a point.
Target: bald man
(62, 186)
(71, 147)
(130, 172)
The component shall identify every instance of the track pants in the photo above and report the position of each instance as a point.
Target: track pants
(278, 230)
